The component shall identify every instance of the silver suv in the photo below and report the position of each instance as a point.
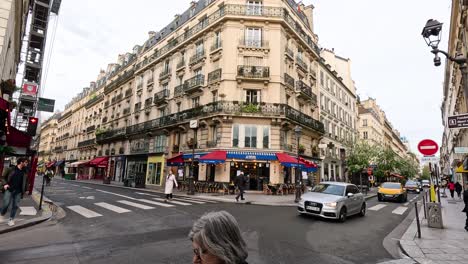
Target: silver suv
(334, 200)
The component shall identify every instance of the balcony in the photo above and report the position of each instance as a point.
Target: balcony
(58, 149)
(301, 65)
(90, 128)
(214, 76)
(305, 91)
(96, 99)
(197, 58)
(288, 81)
(159, 149)
(179, 90)
(108, 136)
(86, 143)
(216, 46)
(194, 84)
(165, 74)
(161, 97)
(211, 143)
(248, 43)
(260, 73)
(303, 119)
(289, 53)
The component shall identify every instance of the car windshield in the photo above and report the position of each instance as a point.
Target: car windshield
(411, 184)
(329, 189)
(391, 185)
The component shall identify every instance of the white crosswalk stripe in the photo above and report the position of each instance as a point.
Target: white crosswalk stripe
(186, 200)
(195, 199)
(28, 210)
(174, 202)
(83, 211)
(377, 207)
(155, 203)
(113, 208)
(87, 187)
(137, 205)
(181, 199)
(400, 210)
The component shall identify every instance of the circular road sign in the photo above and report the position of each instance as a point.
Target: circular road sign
(428, 147)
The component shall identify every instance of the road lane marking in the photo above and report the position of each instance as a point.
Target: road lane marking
(28, 210)
(192, 201)
(137, 205)
(406, 204)
(377, 207)
(75, 185)
(87, 187)
(400, 210)
(189, 199)
(113, 208)
(169, 201)
(121, 195)
(83, 211)
(155, 203)
(181, 198)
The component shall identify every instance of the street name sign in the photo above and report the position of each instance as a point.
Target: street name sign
(432, 159)
(458, 121)
(46, 105)
(461, 150)
(428, 147)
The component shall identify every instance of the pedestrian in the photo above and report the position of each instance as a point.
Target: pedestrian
(458, 189)
(170, 182)
(240, 182)
(216, 238)
(451, 187)
(465, 199)
(48, 176)
(14, 183)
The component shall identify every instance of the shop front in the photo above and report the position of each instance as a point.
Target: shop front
(99, 167)
(116, 168)
(155, 170)
(136, 171)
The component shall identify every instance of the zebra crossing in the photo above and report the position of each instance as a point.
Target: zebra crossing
(126, 204)
(398, 211)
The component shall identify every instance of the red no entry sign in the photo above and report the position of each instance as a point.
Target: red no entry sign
(428, 147)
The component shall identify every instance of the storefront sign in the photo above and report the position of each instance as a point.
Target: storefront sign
(46, 105)
(30, 89)
(461, 150)
(250, 155)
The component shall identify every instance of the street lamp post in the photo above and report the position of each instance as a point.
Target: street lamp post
(432, 34)
(194, 126)
(298, 132)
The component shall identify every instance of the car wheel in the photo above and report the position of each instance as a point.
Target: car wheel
(343, 215)
(363, 210)
(405, 199)
(379, 197)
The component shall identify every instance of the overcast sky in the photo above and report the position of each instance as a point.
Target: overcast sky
(390, 60)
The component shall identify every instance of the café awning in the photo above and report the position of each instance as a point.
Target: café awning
(176, 160)
(77, 163)
(98, 162)
(289, 161)
(214, 157)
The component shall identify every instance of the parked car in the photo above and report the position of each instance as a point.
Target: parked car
(392, 191)
(425, 183)
(412, 186)
(333, 200)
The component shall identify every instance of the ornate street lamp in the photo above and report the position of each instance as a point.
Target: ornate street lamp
(298, 132)
(432, 34)
(193, 125)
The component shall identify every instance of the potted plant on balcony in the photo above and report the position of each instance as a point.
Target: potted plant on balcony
(301, 149)
(250, 108)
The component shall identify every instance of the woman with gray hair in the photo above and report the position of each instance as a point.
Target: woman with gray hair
(216, 239)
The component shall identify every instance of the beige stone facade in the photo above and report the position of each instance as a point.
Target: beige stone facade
(48, 137)
(454, 100)
(247, 71)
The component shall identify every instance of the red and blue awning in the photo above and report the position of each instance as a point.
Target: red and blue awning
(250, 155)
(215, 157)
(176, 161)
(289, 161)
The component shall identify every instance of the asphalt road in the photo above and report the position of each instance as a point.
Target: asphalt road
(105, 224)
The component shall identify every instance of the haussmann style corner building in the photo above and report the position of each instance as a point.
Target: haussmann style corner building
(246, 70)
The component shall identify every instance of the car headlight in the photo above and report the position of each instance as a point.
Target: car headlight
(331, 204)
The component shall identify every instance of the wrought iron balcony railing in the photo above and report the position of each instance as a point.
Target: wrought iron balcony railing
(253, 72)
(306, 90)
(161, 96)
(289, 81)
(90, 128)
(165, 73)
(194, 83)
(198, 57)
(179, 90)
(214, 76)
(86, 143)
(253, 43)
(289, 52)
(301, 63)
(128, 92)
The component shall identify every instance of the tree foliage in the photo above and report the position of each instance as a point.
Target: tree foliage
(360, 157)
(426, 174)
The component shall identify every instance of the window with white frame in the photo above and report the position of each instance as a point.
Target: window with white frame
(250, 136)
(199, 50)
(322, 82)
(322, 102)
(254, 7)
(215, 96)
(235, 136)
(365, 135)
(195, 101)
(253, 37)
(252, 96)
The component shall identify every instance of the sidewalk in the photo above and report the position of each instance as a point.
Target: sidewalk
(28, 214)
(251, 197)
(447, 245)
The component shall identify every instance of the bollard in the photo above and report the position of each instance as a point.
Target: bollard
(417, 219)
(424, 204)
(42, 192)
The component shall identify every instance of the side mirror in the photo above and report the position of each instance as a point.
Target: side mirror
(350, 195)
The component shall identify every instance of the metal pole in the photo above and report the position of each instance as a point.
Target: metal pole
(417, 219)
(298, 191)
(42, 192)
(438, 181)
(424, 204)
(360, 181)
(191, 178)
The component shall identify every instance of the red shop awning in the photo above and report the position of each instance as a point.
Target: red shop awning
(289, 161)
(98, 162)
(18, 139)
(176, 160)
(214, 157)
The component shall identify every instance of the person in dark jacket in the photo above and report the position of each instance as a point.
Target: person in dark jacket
(465, 199)
(240, 182)
(458, 189)
(14, 183)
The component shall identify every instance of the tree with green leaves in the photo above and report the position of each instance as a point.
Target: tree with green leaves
(426, 174)
(387, 161)
(360, 157)
(408, 168)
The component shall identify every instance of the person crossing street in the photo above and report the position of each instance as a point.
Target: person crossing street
(240, 182)
(170, 182)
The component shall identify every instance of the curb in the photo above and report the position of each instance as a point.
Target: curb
(213, 198)
(45, 215)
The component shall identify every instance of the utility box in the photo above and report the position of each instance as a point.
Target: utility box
(434, 215)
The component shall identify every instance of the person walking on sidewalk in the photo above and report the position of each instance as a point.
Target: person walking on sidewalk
(170, 182)
(14, 183)
(458, 189)
(451, 187)
(240, 182)
(465, 199)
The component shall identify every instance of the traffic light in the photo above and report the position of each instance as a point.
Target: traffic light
(32, 126)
